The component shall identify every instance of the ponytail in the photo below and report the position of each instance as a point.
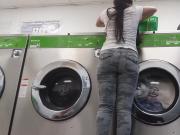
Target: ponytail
(120, 5)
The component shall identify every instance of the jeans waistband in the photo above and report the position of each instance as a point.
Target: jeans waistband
(119, 49)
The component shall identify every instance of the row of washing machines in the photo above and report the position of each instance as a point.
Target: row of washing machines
(48, 85)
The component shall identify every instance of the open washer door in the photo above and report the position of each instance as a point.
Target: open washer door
(157, 100)
(61, 90)
(2, 80)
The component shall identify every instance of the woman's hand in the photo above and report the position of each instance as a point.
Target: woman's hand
(100, 23)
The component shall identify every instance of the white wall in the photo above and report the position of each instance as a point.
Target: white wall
(72, 18)
(81, 18)
(168, 13)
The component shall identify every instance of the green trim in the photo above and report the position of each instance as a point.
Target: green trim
(70, 41)
(9, 42)
(161, 40)
(96, 41)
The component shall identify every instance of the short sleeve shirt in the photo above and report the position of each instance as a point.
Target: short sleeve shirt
(132, 17)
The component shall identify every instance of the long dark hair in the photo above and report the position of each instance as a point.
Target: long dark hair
(119, 6)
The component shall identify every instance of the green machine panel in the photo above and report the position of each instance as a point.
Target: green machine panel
(96, 41)
(13, 41)
(67, 41)
(161, 40)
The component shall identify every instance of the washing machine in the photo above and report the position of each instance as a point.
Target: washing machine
(12, 52)
(157, 101)
(58, 92)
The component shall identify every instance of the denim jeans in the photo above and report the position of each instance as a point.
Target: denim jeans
(117, 77)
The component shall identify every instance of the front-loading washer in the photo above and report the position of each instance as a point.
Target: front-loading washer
(12, 52)
(157, 101)
(58, 92)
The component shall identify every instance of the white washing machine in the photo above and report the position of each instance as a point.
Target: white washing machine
(157, 102)
(58, 92)
(12, 50)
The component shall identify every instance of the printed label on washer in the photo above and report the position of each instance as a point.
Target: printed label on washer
(23, 88)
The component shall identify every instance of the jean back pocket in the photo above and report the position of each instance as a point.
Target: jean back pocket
(104, 56)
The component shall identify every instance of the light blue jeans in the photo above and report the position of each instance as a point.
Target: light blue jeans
(117, 77)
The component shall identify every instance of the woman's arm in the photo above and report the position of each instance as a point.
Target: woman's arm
(148, 11)
(100, 23)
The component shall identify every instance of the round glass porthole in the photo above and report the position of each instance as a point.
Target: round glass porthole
(157, 90)
(157, 94)
(61, 90)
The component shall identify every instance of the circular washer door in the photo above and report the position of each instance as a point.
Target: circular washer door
(157, 100)
(2, 81)
(61, 90)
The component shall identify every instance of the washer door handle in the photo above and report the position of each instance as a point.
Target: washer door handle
(39, 87)
(16, 53)
(97, 52)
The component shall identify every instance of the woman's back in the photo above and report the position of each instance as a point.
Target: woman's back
(132, 16)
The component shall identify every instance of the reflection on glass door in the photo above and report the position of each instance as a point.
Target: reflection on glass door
(156, 91)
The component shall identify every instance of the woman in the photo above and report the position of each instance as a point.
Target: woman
(118, 67)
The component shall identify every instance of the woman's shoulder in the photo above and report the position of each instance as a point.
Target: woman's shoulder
(138, 7)
(134, 7)
(109, 9)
